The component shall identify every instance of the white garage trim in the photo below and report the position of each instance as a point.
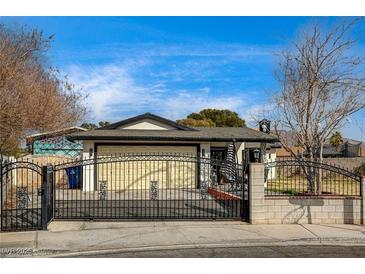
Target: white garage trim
(138, 175)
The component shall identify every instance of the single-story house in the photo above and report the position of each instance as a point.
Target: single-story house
(55, 143)
(347, 149)
(149, 133)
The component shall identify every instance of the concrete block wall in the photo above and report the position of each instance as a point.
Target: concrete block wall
(256, 194)
(296, 210)
(292, 210)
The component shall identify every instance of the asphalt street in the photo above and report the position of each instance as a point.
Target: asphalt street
(295, 251)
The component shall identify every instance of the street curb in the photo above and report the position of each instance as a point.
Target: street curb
(80, 253)
(17, 244)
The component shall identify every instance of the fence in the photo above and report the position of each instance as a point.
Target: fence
(300, 177)
(123, 186)
(21, 201)
(162, 186)
(148, 186)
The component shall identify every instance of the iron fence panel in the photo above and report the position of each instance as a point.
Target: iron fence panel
(307, 178)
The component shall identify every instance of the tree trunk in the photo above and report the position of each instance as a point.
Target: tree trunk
(319, 170)
(310, 173)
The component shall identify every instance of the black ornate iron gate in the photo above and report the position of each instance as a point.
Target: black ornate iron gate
(26, 196)
(130, 186)
(148, 186)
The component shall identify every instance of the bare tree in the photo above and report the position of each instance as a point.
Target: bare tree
(322, 83)
(33, 96)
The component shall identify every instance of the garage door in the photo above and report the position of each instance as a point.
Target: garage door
(168, 174)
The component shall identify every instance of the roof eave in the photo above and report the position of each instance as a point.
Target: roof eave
(146, 116)
(167, 138)
(38, 136)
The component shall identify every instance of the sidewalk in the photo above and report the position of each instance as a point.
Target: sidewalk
(71, 238)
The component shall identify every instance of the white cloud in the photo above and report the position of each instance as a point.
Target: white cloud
(114, 94)
(185, 102)
(191, 49)
(110, 89)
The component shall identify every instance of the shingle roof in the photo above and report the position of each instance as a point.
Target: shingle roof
(64, 131)
(146, 115)
(199, 134)
(331, 150)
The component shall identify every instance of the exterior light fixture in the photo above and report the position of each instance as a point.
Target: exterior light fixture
(256, 155)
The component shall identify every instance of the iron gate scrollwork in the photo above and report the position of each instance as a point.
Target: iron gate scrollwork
(128, 186)
(148, 186)
(20, 195)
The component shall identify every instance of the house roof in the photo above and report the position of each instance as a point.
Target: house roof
(146, 115)
(197, 134)
(178, 133)
(331, 150)
(65, 131)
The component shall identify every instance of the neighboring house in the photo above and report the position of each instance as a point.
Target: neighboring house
(349, 148)
(362, 150)
(352, 148)
(148, 133)
(281, 152)
(55, 143)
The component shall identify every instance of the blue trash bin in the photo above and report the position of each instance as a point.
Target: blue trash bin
(74, 176)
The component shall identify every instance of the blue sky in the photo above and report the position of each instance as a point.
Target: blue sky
(173, 66)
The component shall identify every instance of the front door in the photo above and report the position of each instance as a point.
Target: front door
(219, 154)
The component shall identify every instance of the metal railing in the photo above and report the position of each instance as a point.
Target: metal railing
(121, 186)
(21, 201)
(147, 186)
(305, 178)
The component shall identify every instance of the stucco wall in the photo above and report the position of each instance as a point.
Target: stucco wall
(147, 124)
(205, 147)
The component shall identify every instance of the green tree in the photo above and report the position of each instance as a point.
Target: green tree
(336, 139)
(88, 126)
(91, 126)
(213, 118)
(189, 122)
(104, 123)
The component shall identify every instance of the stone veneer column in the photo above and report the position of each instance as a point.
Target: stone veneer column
(257, 193)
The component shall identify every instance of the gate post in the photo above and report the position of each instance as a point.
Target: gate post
(47, 195)
(362, 193)
(257, 193)
(245, 205)
(1, 192)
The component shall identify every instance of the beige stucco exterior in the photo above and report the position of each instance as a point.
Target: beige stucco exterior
(183, 175)
(138, 175)
(146, 124)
